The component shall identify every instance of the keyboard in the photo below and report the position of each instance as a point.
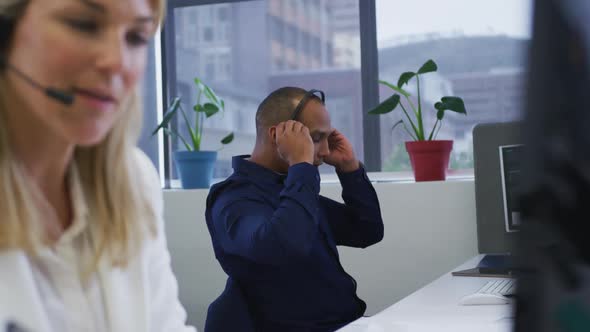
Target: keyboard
(504, 287)
(493, 292)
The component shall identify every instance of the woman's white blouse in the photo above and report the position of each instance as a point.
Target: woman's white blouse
(72, 304)
(143, 296)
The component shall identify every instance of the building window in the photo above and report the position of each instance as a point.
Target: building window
(222, 14)
(276, 28)
(291, 36)
(305, 43)
(208, 34)
(316, 47)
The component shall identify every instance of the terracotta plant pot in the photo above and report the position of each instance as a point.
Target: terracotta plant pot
(430, 159)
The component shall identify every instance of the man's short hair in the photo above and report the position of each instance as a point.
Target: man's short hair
(278, 106)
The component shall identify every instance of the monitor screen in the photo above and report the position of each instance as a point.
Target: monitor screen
(510, 167)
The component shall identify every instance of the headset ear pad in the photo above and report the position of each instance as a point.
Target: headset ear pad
(6, 28)
(8, 19)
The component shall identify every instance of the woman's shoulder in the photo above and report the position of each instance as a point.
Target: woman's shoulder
(148, 178)
(144, 168)
(145, 165)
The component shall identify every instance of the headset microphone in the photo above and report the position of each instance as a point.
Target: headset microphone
(63, 97)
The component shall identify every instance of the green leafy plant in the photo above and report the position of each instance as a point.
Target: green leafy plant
(207, 109)
(447, 103)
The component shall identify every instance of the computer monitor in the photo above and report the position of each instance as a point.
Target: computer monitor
(497, 151)
(497, 154)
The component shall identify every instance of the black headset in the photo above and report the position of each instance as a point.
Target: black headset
(6, 28)
(308, 95)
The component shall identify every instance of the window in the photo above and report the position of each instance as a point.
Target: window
(210, 69)
(305, 41)
(223, 26)
(480, 49)
(189, 36)
(244, 70)
(246, 49)
(223, 14)
(279, 64)
(316, 47)
(208, 34)
(291, 38)
(276, 28)
(225, 66)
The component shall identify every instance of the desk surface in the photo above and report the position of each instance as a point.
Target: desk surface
(435, 307)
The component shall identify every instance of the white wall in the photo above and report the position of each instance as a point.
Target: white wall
(430, 228)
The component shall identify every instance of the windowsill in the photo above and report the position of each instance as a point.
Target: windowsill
(400, 177)
(375, 177)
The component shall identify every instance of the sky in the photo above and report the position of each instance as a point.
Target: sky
(397, 18)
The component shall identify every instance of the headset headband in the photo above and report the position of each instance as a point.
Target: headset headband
(308, 95)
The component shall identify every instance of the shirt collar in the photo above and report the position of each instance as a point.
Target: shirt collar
(256, 172)
(79, 207)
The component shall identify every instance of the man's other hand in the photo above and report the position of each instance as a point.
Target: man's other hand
(341, 155)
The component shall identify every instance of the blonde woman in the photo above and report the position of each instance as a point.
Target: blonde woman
(82, 246)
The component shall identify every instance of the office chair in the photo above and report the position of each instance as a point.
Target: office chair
(229, 312)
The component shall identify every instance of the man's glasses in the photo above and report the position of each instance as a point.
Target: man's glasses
(308, 95)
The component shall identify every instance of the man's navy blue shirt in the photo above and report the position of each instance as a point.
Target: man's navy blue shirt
(276, 237)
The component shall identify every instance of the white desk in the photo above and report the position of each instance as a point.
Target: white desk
(435, 307)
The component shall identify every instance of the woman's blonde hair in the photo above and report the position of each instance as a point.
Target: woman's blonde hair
(118, 204)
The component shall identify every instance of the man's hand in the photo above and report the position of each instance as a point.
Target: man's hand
(294, 143)
(341, 154)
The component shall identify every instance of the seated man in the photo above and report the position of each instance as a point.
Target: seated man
(272, 232)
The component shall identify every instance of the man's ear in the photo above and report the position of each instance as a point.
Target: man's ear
(272, 134)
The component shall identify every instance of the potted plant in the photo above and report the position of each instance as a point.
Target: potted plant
(429, 157)
(195, 167)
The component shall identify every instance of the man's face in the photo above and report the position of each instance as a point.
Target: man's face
(317, 119)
